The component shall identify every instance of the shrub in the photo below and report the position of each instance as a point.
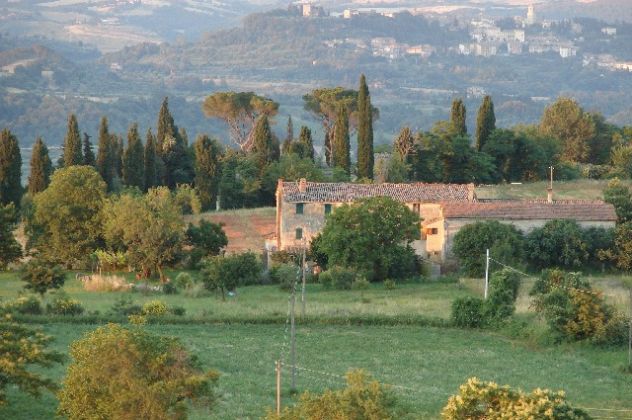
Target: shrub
(64, 305)
(503, 292)
(119, 372)
(169, 288)
(559, 243)
(227, 272)
(196, 290)
(206, 240)
(360, 283)
(390, 284)
(155, 308)
(285, 275)
(363, 398)
(468, 312)
(183, 281)
(177, 310)
(41, 276)
(125, 306)
(25, 305)
(504, 241)
(101, 283)
(487, 400)
(337, 277)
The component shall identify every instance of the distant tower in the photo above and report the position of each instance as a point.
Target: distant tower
(531, 15)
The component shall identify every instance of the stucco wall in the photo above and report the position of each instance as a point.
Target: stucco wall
(311, 221)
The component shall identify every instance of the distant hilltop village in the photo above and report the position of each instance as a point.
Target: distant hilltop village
(529, 35)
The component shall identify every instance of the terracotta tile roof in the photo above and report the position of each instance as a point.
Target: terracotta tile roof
(340, 192)
(583, 210)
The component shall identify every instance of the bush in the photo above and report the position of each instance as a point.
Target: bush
(227, 272)
(64, 305)
(119, 372)
(178, 310)
(487, 400)
(504, 241)
(503, 292)
(363, 398)
(155, 308)
(169, 288)
(360, 283)
(468, 312)
(183, 281)
(41, 276)
(337, 277)
(125, 306)
(206, 240)
(25, 305)
(101, 283)
(559, 243)
(196, 290)
(390, 284)
(285, 275)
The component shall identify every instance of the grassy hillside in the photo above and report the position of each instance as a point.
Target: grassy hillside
(584, 189)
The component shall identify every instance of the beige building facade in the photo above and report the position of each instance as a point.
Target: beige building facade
(302, 208)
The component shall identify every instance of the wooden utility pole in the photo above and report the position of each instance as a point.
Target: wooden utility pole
(303, 286)
(630, 334)
(278, 387)
(486, 273)
(293, 337)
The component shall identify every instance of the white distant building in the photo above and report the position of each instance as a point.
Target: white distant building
(609, 30)
(349, 13)
(531, 15)
(567, 51)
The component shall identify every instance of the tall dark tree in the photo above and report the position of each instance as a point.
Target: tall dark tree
(104, 162)
(208, 154)
(10, 249)
(328, 147)
(458, 117)
(41, 168)
(72, 143)
(10, 169)
(150, 157)
(485, 122)
(289, 139)
(134, 159)
(175, 166)
(365, 131)
(341, 155)
(305, 144)
(88, 154)
(165, 127)
(118, 148)
(263, 143)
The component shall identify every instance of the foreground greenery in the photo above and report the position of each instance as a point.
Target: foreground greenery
(432, 362)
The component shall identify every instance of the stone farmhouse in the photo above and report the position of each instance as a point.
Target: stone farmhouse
(302, 208)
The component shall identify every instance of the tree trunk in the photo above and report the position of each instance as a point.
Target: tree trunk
(161, 274)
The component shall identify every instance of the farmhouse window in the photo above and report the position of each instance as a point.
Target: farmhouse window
(327, 208)
(299, 233)
(416, 208)
(299, 208)
(431, 231)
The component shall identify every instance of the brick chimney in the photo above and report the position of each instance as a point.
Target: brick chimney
(302, 185)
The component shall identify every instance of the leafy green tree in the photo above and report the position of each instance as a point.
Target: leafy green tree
(362, 398)
(21, 349)
(516, 156)
(207, 239)
(341, 156)
(133, 160)
(10, 249)
(240, 183)
(304, 147)
(559, 243)
(601, 143)
(166, 127)
(88, 153)
(623, 246)
(41, 168)
(72, 144)
(485, 122)
(69, 212)
(10, 169)
(150, 164)
(119, 372)
(504, 241)
(149, 229)
(264, 145)
(620, 197)
(372, 235)
(208, 155)
(41, 276)
(291, 168)
(458, 117)
(176, 163)
(365, 131)
(240, 110)
(105, 154)
(404, 145)
(567, 122)
(186, 198)
(289, 138)
(226, 273)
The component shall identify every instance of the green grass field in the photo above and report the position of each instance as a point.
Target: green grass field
(581, 189)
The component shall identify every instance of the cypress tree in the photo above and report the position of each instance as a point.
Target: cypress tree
(165, 127)
(10, 169)
(41, 168)
(88, 154)
(151, 170)
(72, 143)
(289, 139)
(305, 145)
(341, 153)
(365, 131)
(133, 160)
(104, 153)
(457, 117)
(117, 155)
(485, 122)
(328, 147)
(208, 155)
(263, 143)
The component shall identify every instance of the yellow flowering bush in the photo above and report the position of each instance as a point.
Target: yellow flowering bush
(155, 308)
(489, 401)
